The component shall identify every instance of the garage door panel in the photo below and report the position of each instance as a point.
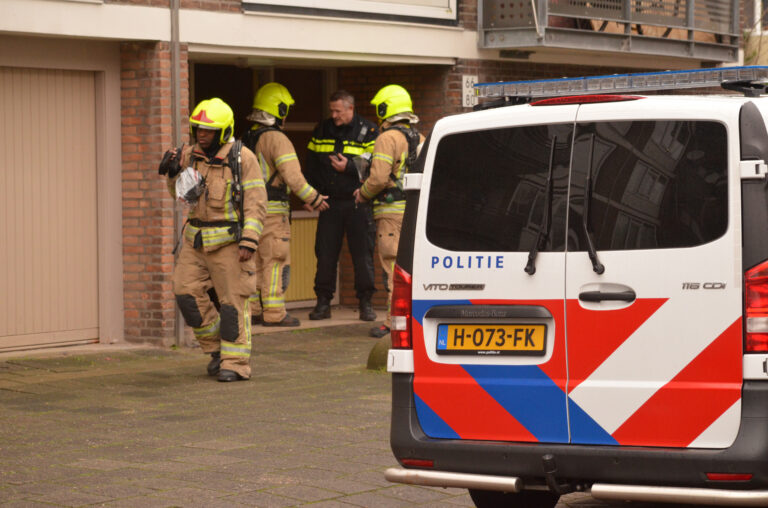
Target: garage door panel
(48, 257)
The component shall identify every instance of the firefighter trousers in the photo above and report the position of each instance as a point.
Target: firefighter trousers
(388, 236)
(227, 331)
(273, 266)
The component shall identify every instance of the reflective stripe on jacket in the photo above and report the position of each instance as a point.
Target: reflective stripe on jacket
(350, 140)
(390, 154)
(279, 163)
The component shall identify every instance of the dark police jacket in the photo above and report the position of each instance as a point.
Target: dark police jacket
(350, 140)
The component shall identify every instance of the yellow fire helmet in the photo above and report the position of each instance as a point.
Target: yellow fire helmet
(391, 100)
(213, 114)
(273, 98)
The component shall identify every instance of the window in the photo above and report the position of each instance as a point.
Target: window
(489, 188)
(438, 11)
(655, 184)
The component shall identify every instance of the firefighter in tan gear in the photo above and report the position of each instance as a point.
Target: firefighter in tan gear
(222, 184)
(395, 151)
(282, 175)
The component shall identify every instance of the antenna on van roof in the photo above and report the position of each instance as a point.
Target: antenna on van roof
(750, 80)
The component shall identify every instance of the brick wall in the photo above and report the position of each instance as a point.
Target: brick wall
(436, 92)
(148, 235)
(468, 14)
(427, 86)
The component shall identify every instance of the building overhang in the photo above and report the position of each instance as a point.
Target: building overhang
(85, 20)
(265, 57)
(265, 38)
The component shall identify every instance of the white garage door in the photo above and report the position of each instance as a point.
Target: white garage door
(48, 222)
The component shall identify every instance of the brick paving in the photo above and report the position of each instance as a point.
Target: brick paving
(147, 427)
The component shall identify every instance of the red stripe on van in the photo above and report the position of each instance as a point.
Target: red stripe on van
(686, 406)
(594, 335)
(457, 398)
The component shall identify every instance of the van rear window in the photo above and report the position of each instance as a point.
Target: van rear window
(654, 185)
(488, 188)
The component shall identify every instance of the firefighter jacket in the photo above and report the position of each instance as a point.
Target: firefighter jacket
(214, 220)
(388, 165)
(281, 171)
(351, 140)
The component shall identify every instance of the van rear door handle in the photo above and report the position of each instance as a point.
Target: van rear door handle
(601, 296)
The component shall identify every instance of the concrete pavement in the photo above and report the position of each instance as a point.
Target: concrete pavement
(137, 426)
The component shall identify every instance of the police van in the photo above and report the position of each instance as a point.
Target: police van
(581, 294)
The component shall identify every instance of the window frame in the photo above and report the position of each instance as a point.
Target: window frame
(375, 9)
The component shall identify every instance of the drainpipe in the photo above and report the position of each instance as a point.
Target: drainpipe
(175, 73)
(178, 218)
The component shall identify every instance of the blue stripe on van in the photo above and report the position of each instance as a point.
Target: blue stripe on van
(431, 423)
(585, 430)
(529, 395)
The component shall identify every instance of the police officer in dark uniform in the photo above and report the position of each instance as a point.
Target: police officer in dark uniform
(338, 150)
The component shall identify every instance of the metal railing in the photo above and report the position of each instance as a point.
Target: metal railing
(633, 25)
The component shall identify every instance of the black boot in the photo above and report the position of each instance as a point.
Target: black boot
(322, 310)
(366, 310)
(215, 364)
(288, 320)
(378, 332)
(225, 376)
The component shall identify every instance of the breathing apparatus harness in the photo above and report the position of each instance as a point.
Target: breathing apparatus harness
(234, 161)
(412, 136)
(250, 139)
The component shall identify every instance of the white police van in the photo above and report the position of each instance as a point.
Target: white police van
(581, 295)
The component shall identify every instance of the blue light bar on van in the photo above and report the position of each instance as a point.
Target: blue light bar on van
(620, 83)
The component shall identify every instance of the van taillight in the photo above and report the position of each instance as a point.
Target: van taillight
(756, 308)
(401, 309)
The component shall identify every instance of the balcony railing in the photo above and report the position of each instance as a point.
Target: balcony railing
(704, 30)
